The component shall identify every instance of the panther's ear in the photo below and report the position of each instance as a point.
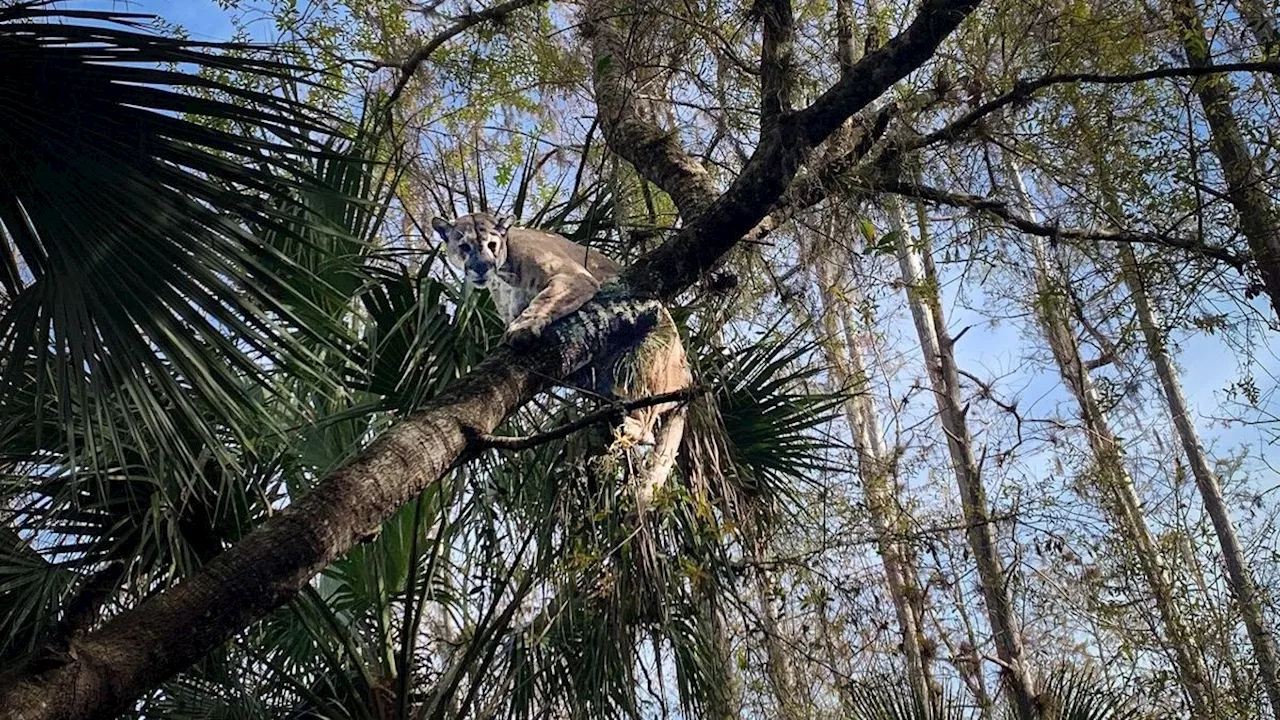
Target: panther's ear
(503, 223)
(442, 227)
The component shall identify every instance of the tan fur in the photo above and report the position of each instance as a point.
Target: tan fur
(536, 278)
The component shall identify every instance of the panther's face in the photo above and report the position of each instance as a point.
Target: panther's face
(476, 243)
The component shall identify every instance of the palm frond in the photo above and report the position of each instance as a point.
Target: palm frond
(133, 276)
(758, 435)
(1075, 694)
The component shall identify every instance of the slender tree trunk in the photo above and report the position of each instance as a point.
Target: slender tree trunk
(875, 468)
(726, 702)
(1238, 572)
(965, 657)
(778, 663)
(1125, 506)
(939, 359)
(1259, 222)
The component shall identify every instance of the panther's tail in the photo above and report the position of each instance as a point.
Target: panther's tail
(660, 366)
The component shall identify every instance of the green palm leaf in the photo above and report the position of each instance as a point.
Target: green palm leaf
(130, 274)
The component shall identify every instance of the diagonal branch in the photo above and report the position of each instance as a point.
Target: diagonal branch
(1001, 210)
(780, 154)
(1024, 89)
(139, 648)
(497, 13)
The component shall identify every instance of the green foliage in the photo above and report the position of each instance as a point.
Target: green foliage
(136, 296)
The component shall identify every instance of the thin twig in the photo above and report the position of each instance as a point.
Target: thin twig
(524, 442)
(496, 13)
(1000, 209)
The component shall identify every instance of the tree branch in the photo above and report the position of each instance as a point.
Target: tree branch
(742, 210)
(524, 442)
(1024, 89)
(845, 54)
(656, 154)
(777, 76)
(497, 13)
(1001, 210)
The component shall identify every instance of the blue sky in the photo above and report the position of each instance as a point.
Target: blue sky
(202, 18)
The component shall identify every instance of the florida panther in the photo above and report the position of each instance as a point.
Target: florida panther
(536, 278)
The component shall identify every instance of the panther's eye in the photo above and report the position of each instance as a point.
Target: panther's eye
(493, 247)
(464, 248)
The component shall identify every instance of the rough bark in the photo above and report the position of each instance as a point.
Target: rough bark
(1122, 502)
(778, 663)
(629, 132)
(777, 76)
(936, 347)
(140, 648)
(726, 700)
(875, 469)
(740, 211)
(1246, 191)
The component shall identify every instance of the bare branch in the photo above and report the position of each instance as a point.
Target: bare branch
(1024, 89)
(1001, 210)
(524, 442)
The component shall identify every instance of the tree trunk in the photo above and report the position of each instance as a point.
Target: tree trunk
(875, 469)
(1125, 506)
(138, 649)
(939, 360)
(1245, 185)
(779, 666)
(1238, 572)
(726, 701)
(965, 658)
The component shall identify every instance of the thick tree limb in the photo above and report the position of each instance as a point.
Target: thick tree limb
(655, 153)
(138, 649)
(1001, 210)
(780, 154)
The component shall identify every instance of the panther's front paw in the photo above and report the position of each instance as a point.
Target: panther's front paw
(523, 333)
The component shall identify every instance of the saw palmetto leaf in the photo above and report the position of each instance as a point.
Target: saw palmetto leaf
(134, 269)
